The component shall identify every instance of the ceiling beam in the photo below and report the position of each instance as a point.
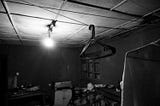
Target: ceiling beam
(11, 20)
(104, 8)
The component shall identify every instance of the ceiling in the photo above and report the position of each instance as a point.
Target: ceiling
(24, 21)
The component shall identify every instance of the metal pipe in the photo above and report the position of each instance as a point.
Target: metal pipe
(11, 20)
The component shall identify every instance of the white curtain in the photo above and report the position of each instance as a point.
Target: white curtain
(141, 76)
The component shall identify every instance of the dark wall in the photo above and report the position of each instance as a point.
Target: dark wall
(111, 68)
(3, 79)
(40, 66)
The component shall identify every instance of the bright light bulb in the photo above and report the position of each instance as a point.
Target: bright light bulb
(48, 42)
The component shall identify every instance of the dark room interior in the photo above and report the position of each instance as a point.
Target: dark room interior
(80, 52)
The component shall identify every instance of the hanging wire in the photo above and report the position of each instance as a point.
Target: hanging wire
(49, 33)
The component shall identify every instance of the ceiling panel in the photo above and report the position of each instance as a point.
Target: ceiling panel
(147, 4)
(79, 34)
(96, 11)
(84, 33)
(1, 7)
(31, 10)
(139, 7)
(102, 3)
(109, 33)
(6, 28)
(48, 3)
(81, 8)
(85, 19)
(132, 24)
(63, 31)
(31, 26)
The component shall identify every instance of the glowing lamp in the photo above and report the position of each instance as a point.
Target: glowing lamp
(48, 42)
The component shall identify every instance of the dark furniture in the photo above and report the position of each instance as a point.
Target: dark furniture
(27, 99)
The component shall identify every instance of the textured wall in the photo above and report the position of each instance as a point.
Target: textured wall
(40, 66)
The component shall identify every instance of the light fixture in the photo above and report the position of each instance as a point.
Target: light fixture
(49, 42)
(51, 25)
